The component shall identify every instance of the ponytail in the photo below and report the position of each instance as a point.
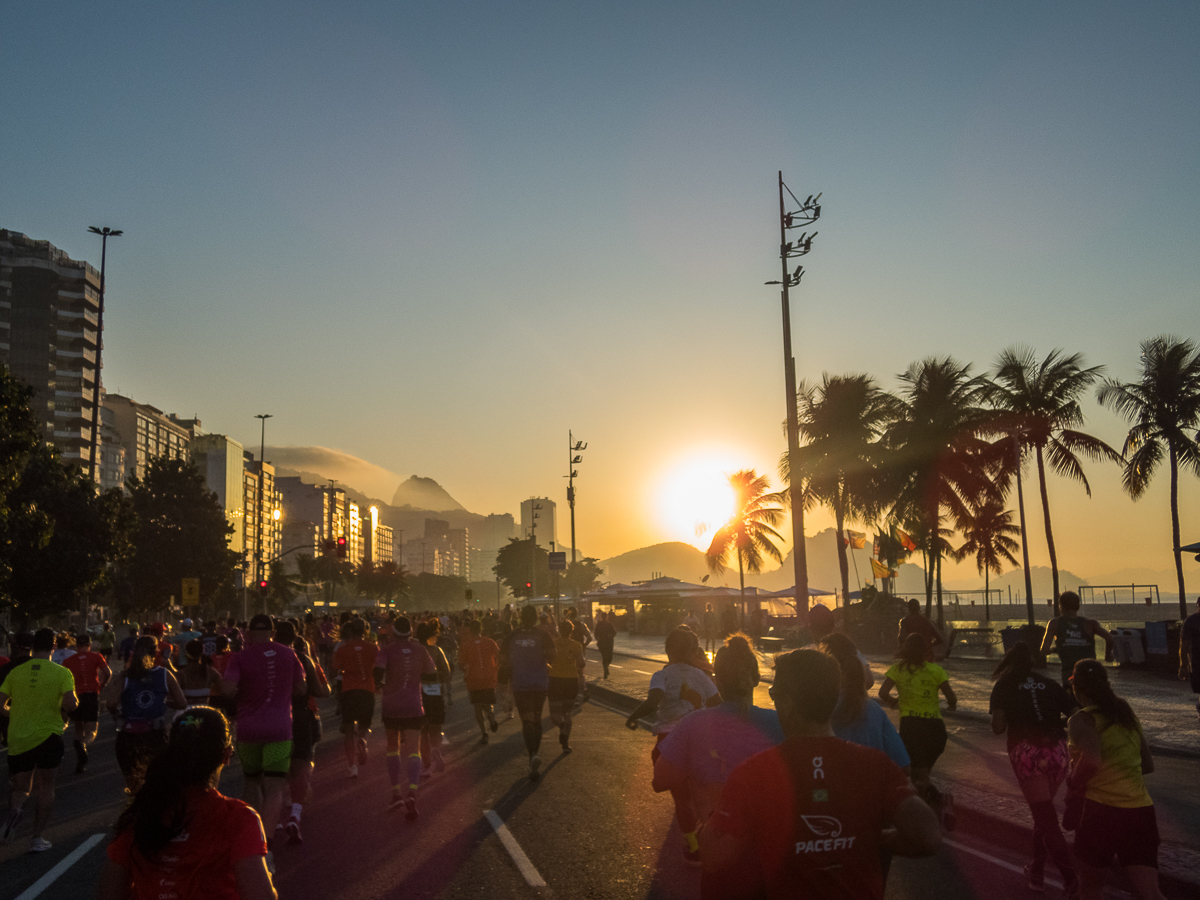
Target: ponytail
(914, 652)
(1090, 678)
(141, 661)
(1017, 663)
(199, 740)
(736, 669)
(853, 697)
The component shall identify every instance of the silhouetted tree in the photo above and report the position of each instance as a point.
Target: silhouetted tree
(750, 533)
(988, 531)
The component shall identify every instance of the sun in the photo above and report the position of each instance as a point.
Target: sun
(695, 499)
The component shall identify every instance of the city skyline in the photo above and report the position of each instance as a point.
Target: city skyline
(486, 228)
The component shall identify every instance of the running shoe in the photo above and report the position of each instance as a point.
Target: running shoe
(483, 738)
(410, 808)
(535, 763)
(10, 824)
(1070, 887)
(362, 751)
(353, 772)
(293, 831)
(691, 857)
(1035, 878)
(397, 802)
(562, 741)
(493, 724)
(39, 845)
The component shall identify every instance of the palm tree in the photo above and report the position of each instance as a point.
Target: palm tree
(988, 532)
(750, 533)
(1040, 404)
(939, 459)
(1164, 411)
(841, 421)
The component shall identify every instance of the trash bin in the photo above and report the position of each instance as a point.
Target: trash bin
(1127, 646)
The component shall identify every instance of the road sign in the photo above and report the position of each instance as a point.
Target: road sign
(191, 591)
(558, 561)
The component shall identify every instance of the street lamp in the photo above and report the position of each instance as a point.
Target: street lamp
(574, 450)
(807, 214)
(105, 233)
(262, 482)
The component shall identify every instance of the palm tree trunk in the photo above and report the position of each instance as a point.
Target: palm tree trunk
(742, 583)
(1024, 534)
(1183, 607)
(843, 564)
(1049, 533)
(926, 561)
(938, 562)
(987, 612)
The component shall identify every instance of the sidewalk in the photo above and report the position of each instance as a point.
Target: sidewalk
(1165, 706)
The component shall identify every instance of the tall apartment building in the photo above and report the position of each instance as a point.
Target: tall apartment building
(314, 513)
(263, 521)
(377, 539)
(112, 454)
(146, 432)
(219, 459)
(539, 511)
(49, 338)
(442, 551)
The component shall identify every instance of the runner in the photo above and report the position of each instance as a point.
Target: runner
(354, 662)
(91, 673)
(918, 683)
(196, 676)
(565, 673)
(1107, 803)
(63, 649)
(125, 648)
(705, 746)
(264, 676)
(916, 623)
(306, 731)
(21, 647)
(434, 689)
(1033, 711)
(220, 661)
(529, 651)
(821, 624)
(106, 641)
(677, 689)
(504, 696)
(400, 665)
(139, 700)
(1073, 636)
(1189, 653)
(36, 693)
(857, 718)
(606, 634)
(216, 845)
(479, 657)
(708, 624)
(808, 818)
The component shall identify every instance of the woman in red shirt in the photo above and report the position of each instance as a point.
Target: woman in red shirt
(216, 845)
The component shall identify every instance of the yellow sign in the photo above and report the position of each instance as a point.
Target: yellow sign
(191, 591)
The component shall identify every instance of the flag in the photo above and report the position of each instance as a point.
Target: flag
(856, 539)
(875, 547)
(879, 570)
(908, 542)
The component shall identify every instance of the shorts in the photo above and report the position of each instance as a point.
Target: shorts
(1131, 835)
(564, 690)
(306, 731)
(46, 755)
(403, 723)
(435, 710)
(135, 750)
(531, 702)
(924, 739)
(273, 758)
(88, 709)
(482, 697)
(1030, 760)
(358, 709)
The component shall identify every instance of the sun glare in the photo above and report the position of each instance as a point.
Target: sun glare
(696, 499)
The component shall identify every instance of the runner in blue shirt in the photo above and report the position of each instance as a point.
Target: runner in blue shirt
(528, 651)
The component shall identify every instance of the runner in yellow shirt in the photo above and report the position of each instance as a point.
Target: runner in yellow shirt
(564, 680)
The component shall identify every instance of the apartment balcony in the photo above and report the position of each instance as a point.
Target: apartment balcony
(83, 354)
(88, 315)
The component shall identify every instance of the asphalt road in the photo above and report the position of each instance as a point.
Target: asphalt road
(591, 828)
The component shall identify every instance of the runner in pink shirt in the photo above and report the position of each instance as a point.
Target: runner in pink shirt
(398, 667)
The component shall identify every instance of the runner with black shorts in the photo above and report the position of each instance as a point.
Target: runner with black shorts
(529, 651)
(479, 657)
(306, 731)
(354, 661)
(91, 673)
(399, 666)
(434, 695)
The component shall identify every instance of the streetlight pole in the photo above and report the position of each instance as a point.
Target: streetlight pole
(574, 456)
(262, 483)
(807, 214)
(105, 233)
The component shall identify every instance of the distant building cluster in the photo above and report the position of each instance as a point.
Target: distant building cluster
(49, 338)
(442, 550)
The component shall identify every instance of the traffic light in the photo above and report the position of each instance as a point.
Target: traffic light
(264, 589)
(529, 585)
(341, 548)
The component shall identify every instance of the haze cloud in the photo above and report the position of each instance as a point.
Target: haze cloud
(370, 479)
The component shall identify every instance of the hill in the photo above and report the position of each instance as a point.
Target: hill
(674, 558)
(425, 493)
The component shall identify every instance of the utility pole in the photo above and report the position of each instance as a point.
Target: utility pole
(105, 233)
(328, 545)
(807, 214)
(574, 456)
(534, 506)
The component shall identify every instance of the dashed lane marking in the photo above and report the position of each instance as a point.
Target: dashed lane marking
(65, 863)
(528, 872)
(1053, 882)
(640, 672)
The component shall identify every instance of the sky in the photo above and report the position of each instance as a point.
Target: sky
(436, 237)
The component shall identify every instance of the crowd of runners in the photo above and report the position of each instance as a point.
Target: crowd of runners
(812, 797)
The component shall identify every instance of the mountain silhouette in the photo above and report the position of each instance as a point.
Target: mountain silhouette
(425, 493)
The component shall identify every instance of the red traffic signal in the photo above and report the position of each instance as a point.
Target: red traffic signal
(264, 588)
(341, 548)
(528, 584)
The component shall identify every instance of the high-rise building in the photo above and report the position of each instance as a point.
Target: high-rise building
(49, 338)
(219, 459)
(377, 539)
(146, 433)
(112, 454)
(263, 521)
(539, 512)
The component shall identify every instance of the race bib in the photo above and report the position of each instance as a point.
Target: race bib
(431, 690)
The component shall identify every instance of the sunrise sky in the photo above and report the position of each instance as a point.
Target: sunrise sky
(437, 236)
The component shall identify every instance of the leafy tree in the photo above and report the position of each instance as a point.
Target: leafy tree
(19, 438)
(384, 582)
(280, 593)
(1163, 408)
(939, 459)
(522, 562)
(1040, 406)
(841, 421)
(429, 591)
(750, 533)
(181, 533)
(988, 532)
(581, 576)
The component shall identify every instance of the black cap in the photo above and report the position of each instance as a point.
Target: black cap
(262, 622)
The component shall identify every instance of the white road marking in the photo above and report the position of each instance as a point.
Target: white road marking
(528, 872)
(65, 863)
(1053, 882)
(640, 672)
